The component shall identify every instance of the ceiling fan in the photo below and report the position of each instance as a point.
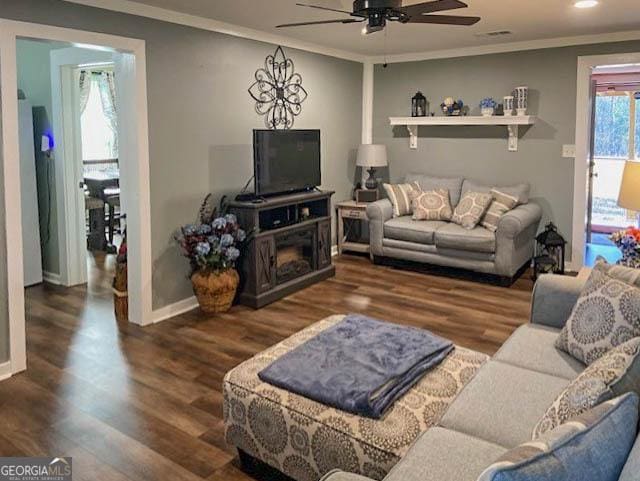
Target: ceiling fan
(378, 12)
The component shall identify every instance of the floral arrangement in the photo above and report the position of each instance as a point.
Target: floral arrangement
(628, 241)
(214, 242)
(488, 103)
(452, 107)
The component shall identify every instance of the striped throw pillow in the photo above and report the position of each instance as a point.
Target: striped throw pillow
(501, 204)
(401, 196)
(594, 445)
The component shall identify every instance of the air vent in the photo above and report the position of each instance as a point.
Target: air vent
(498, 33)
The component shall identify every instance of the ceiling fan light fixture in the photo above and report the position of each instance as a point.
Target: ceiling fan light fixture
(586, 3)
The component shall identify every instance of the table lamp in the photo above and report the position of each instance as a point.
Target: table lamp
(370, 157)
(630, 188)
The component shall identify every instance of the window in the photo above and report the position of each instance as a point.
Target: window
(617, 127)
(637, 100)
(98, 138)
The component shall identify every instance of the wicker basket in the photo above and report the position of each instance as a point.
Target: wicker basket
(121, 304)
(215, 291)
(120, 292)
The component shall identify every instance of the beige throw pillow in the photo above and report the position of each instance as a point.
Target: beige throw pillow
(471, 208)
(432, 205)
(621, 273)
(606, 315)
(401, 196)
(614, 374)
(500, 205)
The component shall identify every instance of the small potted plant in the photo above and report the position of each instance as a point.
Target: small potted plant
(488, 107)
(628, 241)
(213, 247)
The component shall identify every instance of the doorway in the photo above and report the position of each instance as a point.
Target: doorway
(616, 140)
(129, 64)
(604, 137)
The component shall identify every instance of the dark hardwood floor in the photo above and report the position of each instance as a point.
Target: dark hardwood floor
(131, 403)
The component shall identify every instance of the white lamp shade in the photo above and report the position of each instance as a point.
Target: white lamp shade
(372, 155)
(630, 189)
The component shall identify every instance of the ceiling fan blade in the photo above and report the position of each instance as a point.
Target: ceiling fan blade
(321, 22)
(445, 20)
(323, 8)
(433, 6)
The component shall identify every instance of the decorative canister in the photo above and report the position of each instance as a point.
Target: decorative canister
(508, 105)
(522, 100)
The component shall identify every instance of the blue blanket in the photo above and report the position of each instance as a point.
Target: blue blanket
(360, 365)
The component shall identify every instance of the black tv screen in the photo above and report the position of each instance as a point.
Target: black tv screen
(286, 160)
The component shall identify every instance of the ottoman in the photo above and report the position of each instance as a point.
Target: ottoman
(305, 439)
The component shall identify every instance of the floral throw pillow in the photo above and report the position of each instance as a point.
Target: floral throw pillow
(606, 315)
(471, 208)
(614, 374)
(500, 205)
(402, 196)
(432, 205)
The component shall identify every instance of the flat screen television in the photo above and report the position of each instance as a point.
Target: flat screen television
(286, 161)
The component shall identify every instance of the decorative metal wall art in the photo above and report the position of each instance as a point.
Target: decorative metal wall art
(278, 91)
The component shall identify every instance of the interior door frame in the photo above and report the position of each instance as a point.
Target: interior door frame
(65, 97)
(134, 170)
(586, 64)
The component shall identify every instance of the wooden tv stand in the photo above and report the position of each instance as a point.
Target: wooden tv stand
(288, 249)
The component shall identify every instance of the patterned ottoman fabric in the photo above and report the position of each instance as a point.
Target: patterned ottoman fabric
(305, 439)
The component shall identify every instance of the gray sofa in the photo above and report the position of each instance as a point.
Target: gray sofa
(499, 408)
(503, 253)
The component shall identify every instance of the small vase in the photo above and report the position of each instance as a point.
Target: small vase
(487, 111)
(215, 290)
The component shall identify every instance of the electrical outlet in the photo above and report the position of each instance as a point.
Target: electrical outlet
(569, 151)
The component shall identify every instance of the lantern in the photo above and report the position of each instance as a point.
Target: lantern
(419, 105)
(550, 252)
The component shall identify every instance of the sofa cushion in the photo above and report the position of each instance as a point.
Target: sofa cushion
(500, 205)
(632, 466)
(503, 403)
(401, 197)
(306, 440)
(593, 446)
(407, 229)
(606, 315)
(471, 209)
(614, 374)
(533, 347)
(521, 191)
(453, 236)
(432, 205)
(427, 182)
(444, 455)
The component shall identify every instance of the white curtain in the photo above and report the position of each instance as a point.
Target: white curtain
(85, 89)
(107, 87)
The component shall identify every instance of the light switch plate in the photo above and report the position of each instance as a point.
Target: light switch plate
(569, 151)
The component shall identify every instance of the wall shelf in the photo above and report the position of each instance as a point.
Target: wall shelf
(511, 123)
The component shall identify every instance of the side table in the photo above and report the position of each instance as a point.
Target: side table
(351, 211)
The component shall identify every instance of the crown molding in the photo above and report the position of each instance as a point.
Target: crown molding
(171, 16)
(508, 47)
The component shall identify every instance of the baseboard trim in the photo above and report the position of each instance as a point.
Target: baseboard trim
(52, 278)
(5, 370)
(175, 309)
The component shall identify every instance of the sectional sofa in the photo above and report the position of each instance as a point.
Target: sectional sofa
(451, 426)
(499, 408)
(503, 253)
